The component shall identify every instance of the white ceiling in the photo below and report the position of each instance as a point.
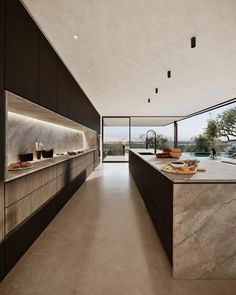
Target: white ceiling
(125, 47)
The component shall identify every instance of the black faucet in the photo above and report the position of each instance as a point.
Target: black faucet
(155, 140)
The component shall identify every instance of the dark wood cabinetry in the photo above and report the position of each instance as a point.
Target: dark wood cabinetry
(2, 114)
(2, 158)
(21, 51)
(35, 72)
(87, 114)
(2, 21)
(48, 60)
(2, 136)
(157, 193)
(1, 68)
(65, 92)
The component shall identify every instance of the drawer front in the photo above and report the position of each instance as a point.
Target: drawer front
(61, 180)
(19, 188)
(90, 158)
(22, 209)
(89, 170)
(62, 168)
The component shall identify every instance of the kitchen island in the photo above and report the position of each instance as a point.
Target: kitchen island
(194, 215)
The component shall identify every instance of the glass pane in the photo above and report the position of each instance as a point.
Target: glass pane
(199, 135)
(115, 139)
(140, 126)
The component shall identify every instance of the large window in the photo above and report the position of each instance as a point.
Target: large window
(201, 133)
(197, 135)
(121, 133)
(115, 139)
(165, 136)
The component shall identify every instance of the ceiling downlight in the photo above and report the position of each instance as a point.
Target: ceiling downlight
(193, 42)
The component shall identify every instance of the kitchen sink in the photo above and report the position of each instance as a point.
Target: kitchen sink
(146, 153)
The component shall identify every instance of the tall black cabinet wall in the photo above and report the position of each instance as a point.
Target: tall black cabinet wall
(2, 113)
(35, 72)
(21, 51)
(65, 103)
(2, 156)
(48, 60)
(2, 21)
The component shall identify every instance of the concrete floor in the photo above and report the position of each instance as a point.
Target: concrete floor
(124, 158)
(102, 243)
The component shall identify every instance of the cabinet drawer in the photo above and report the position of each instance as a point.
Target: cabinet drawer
(62, 180)
(19, 188)
(89, 170)
(20, 210)
(62, 168)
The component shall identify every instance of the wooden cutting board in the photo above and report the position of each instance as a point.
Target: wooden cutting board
(168, 168)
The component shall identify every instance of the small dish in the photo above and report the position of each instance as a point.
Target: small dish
(177, 164)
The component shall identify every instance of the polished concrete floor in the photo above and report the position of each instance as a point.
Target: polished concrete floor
(102, 243)
(124, 158)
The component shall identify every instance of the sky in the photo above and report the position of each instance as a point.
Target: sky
(187, 129)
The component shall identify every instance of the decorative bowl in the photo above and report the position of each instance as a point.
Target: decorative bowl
(177, 164)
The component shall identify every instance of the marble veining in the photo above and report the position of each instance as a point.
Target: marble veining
(204, 226)
(204, 221)
(23, 132)
(90, 140)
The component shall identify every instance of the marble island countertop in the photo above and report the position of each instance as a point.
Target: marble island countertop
(216, 170)
(42, 164)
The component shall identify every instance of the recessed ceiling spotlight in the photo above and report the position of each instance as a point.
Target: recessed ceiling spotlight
(169, 74)
(149, 100)
(75, 37)
(156, 90)
(193, 42)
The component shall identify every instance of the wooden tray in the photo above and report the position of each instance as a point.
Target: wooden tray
(169, 169)
(22, 168)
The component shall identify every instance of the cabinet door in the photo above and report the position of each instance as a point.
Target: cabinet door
(91, 116)
(47, 74)
(2, 115)
(64, 106)
(2, 158)
(21, 51)
(81, 109)
(75, 99)
(2, 20)
(1, 69)
(72, 98)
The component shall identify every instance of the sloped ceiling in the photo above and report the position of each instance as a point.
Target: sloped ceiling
(124, 49)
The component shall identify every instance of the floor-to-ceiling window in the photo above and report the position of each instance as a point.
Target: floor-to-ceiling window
(212, 129)
(116, 138)
(122, 133)
(140, 126)
(199, 134)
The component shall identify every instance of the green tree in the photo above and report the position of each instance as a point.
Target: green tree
(211, 131)
(202, 143)
(223, 126)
